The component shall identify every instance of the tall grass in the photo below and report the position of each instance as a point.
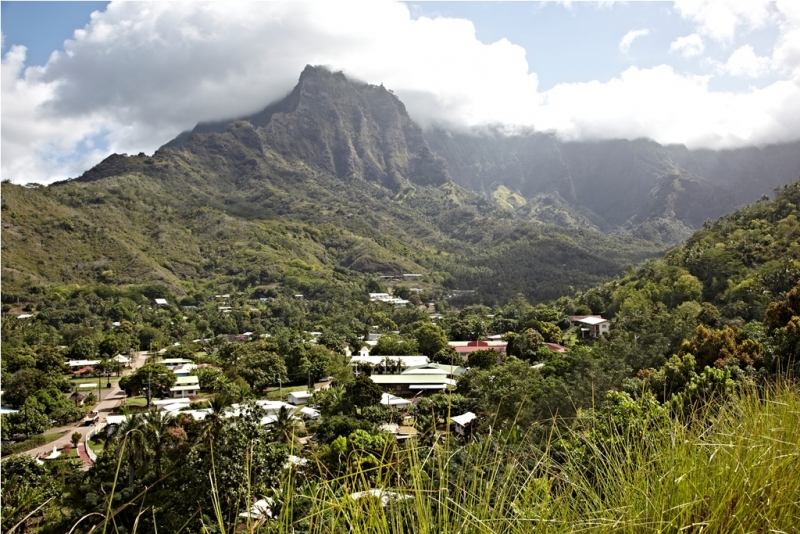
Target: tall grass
(735, 468)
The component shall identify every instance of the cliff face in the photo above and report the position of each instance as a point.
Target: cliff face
(618, 185)
(351, 130)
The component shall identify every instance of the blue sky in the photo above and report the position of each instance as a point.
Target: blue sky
(705, 74)
(43, 26)
(581, 43)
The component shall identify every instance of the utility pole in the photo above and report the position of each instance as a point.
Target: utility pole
(280, 387)
(149, 388)
(310, 385)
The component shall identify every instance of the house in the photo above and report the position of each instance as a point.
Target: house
(555, 347)
(413, 384)
(412, 276)
(387, 362)
(271, 408)
(467, 348)
(185, 369)
(463, 422)
(433, 368)
(390, 400)
(593, 325)
(309, 413)
(124, 360)
(401, 432)
(171, 404)
(82, 363)
(299, 397)
(174, 363)
(185, 386)
(161, 302)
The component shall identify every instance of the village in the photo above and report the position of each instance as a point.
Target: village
(398, 381)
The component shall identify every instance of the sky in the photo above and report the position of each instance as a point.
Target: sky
(82, 80)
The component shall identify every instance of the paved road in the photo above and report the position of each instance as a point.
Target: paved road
(112, 399)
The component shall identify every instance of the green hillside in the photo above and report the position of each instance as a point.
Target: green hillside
(686, 414)
(336, 176)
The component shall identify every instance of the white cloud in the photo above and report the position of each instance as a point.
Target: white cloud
(671, 108)
(140, 73)
(688, 46)
(720, 20)
(626, 42)
(786, 55)
(745, 63)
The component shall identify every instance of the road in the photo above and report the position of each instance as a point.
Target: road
(104, 408)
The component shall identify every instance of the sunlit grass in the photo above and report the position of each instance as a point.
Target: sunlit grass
(734, 469)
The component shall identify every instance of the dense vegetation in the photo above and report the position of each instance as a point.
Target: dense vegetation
(265, 245)
(647, 429)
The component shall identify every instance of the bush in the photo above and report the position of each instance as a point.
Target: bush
(25, 445)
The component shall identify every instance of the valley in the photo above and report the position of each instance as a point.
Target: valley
(346, 323)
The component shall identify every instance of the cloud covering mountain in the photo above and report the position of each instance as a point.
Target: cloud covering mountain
(139, 73)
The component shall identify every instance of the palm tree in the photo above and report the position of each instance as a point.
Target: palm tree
(132, 440)
(157, 424)
(215, 419)
(284, 426)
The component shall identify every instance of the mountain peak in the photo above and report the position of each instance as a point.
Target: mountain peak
(350, 129)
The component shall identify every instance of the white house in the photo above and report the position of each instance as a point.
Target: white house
(82, 363)
(169, 404)
(174, 363)
(185, 369)
(461, 422)
(161, 302)
(387, 399)
(124, 360)
(413, 383)
(310, 413)
(185, 386)
(299, 397)
(593, 325)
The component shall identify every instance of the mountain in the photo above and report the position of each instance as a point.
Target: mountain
(349, 130)
(337, 176)
(638, 187)
(317, 193)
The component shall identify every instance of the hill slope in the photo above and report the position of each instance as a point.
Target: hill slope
(335, 176)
